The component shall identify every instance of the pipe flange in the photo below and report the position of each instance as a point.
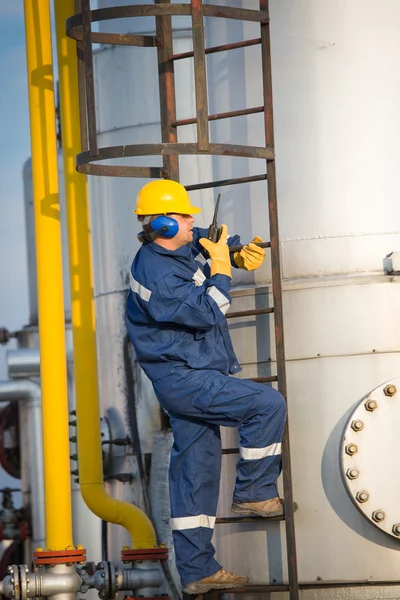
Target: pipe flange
(104, 588)
(15, 581)
(153, 554)
(23, 582)
(113, 575)
(369, 473)
(57, 557)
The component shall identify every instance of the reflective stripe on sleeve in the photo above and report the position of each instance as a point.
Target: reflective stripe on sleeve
(139, 289)
(220, 299)
(192, 522)
(257, 453)
(201, 259)
(199, 277)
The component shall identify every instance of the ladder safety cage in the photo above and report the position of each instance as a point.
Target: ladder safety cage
(79, 27)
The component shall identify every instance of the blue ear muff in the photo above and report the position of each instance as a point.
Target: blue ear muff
(172, 226)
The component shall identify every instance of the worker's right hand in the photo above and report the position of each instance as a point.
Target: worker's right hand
(219, 253)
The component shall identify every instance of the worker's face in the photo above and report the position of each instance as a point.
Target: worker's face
(185, 233)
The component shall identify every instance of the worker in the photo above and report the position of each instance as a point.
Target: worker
(178, 299)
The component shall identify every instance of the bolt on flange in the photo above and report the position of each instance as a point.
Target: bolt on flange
(378, 516)
(351, 449)
(352, 473)
(396, 529)
(371, 405)
(357, 425)
(390, 390)
(362, 496)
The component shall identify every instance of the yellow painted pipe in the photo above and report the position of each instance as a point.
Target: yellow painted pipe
(83, 315)
(49, 275)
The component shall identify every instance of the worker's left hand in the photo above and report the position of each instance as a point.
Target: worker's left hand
(250, 257)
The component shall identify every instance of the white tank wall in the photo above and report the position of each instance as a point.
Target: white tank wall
(335, 60)
(336, 92)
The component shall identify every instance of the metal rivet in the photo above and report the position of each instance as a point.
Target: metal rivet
(351, 449)
(390, 390)
(352, 473)
(357, 425)
(371, 405)
(378, 515)
(362, 496)
(396, 529)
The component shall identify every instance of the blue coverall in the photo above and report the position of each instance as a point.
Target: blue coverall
(176, 320)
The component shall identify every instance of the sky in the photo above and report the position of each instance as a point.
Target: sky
(14, 151)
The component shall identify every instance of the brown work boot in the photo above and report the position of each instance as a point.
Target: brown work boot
(221, 580)
(267, 508)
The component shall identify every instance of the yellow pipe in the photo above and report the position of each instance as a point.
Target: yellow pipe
(83, 315)
(49, 275)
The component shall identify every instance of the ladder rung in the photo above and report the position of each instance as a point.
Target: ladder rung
(269, 379)
(255, 519)
(255, 589)
(307, 585)
(120, 39)
(215, 49)
(218, 116)
(222, 182)
(249, 313)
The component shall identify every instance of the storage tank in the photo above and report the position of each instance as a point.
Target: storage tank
(336, 90)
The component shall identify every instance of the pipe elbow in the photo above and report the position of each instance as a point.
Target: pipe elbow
(129, 516)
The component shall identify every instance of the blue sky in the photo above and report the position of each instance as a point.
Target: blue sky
(14, 150)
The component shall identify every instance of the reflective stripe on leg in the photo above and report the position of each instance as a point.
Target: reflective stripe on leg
(257, 453)
(182, 523)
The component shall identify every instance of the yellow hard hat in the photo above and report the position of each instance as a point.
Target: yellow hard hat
(164, 196)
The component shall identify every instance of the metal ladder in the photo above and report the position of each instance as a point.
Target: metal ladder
(79, 28)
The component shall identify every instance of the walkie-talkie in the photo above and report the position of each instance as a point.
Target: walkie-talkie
(214, 232)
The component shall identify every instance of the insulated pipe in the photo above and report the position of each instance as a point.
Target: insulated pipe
(49, 275)
(82, 304)
(24, 363)
(30, 391)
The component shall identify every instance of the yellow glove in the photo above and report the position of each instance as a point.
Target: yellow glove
(219, 254)
(251, 256)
